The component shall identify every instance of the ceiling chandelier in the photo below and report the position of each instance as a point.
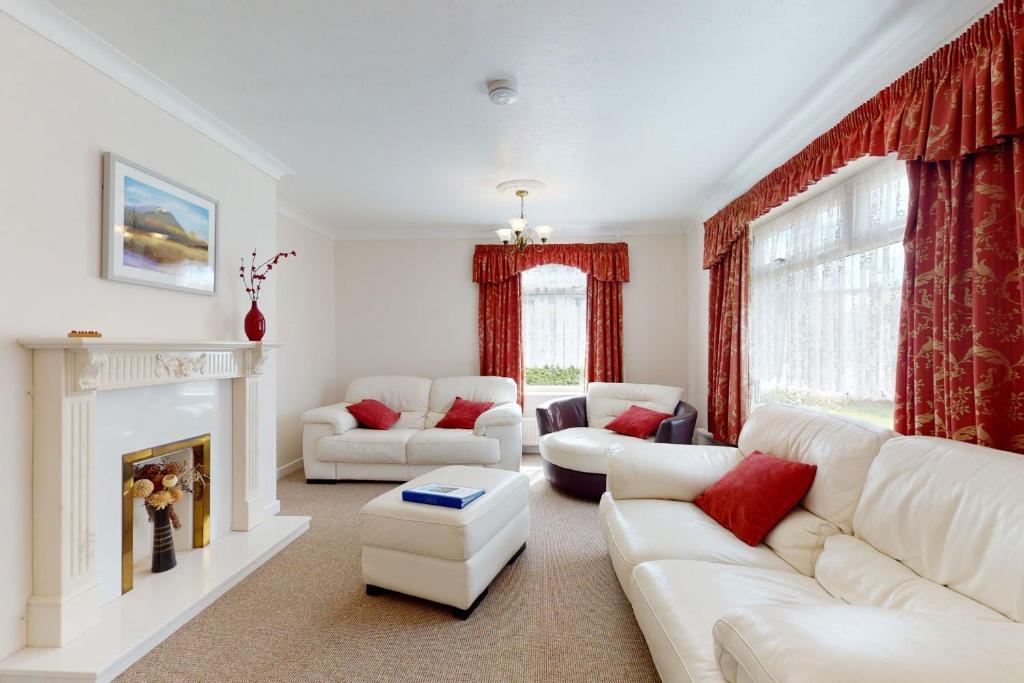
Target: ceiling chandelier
(519, 236)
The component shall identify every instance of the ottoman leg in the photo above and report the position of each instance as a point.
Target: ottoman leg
(515, 557)
(464, 613)
(374, 590)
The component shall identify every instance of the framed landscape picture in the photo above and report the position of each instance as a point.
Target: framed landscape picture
(157, 232)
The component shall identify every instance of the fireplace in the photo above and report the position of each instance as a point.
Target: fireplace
(197, 450)
(95, 400)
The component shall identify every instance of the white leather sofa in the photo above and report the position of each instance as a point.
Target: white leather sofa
(335, 447)
(575, 445)
(905, 562)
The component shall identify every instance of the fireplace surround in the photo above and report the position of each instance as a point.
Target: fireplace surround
(65, 605)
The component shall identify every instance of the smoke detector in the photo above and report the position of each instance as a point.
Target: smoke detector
(502, 92)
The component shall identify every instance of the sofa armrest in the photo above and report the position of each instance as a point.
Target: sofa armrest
(668, 471)
(339, 419)
(561, 413)
(679, 428)
(502, 415)
(847, 644)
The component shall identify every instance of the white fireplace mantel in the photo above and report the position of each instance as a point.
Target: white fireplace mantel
(67, 373)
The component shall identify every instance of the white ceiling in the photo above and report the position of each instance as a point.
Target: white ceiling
(641, 117)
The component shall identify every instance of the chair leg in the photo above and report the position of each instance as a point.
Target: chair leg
(463, 614)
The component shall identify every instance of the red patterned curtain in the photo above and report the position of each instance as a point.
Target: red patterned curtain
(604, 330)
(961, 360)
(499, 330)
(606, 266)
(727, 336)
(956, 117)
(966, 97)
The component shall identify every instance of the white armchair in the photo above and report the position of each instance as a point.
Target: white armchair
(335, 447)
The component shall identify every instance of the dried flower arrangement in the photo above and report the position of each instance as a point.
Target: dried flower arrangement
(161, 485)
(253, 281)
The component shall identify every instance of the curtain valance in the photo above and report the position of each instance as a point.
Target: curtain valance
(966, 97)
(603, 261)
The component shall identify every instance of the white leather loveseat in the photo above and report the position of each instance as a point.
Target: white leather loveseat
(335, 447)
(905, 562)
(575, 444)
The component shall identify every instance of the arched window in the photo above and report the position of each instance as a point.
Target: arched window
(554, 327)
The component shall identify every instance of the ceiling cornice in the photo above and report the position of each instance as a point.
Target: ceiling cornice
(68, 34)
(297, 215)
(906, 43)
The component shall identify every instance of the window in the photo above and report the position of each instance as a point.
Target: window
(554, 327)
(825, 280)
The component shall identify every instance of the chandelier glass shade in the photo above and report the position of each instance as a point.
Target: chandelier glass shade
(519, 236)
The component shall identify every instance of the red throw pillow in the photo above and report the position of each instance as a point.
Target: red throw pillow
(755, 495)
(373, 414)
(638, 422)
(463, 414)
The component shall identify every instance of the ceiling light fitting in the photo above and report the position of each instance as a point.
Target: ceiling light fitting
(519, 236)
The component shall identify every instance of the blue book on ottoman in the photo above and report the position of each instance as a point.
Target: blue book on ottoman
(442, 494)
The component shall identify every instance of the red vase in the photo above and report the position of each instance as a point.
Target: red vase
(255, 324)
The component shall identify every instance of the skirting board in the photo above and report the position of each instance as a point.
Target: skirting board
(127, 628)
(284, 470)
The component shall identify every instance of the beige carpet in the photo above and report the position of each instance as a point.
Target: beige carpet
(558, 614)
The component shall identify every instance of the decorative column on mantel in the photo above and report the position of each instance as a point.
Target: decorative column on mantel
(67, 373)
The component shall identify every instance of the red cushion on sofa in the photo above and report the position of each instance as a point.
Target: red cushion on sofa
(463, 414)
(638, 422)
(755, 495)
(373, 414)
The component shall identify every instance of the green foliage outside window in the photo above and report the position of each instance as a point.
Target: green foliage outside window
(553, 375)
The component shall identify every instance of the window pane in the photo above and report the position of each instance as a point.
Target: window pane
(824, 330)
(554, 325)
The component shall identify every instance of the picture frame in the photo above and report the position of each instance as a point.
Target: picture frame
(157, 232)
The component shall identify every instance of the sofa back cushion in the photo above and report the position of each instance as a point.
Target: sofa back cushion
(407, 395)
(953, 513)
(841, 448)
(856, 573)
(607, 400)
(443, 391)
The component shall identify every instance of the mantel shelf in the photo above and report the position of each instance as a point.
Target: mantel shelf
(116, 344)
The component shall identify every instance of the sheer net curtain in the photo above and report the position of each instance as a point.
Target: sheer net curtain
(825, 297)
(554, 317)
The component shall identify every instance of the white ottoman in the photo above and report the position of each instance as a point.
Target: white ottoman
(444, 554)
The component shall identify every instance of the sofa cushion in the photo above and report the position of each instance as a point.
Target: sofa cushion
(407, 395)
(443, 391)
(854, 572)
(451, 447)
(800, 538)
(373, 414)
(845, 644)
(841, 448)
(463, 414)
(677, 603)
(366, 446)
(641, 530)
(638, 422)
(755, 495)
(607, 400)
(584, 449)
(953, 513)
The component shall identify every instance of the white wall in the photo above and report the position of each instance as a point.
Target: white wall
(698, 291)
(58, 117)
(410, 307)
(306, 325)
